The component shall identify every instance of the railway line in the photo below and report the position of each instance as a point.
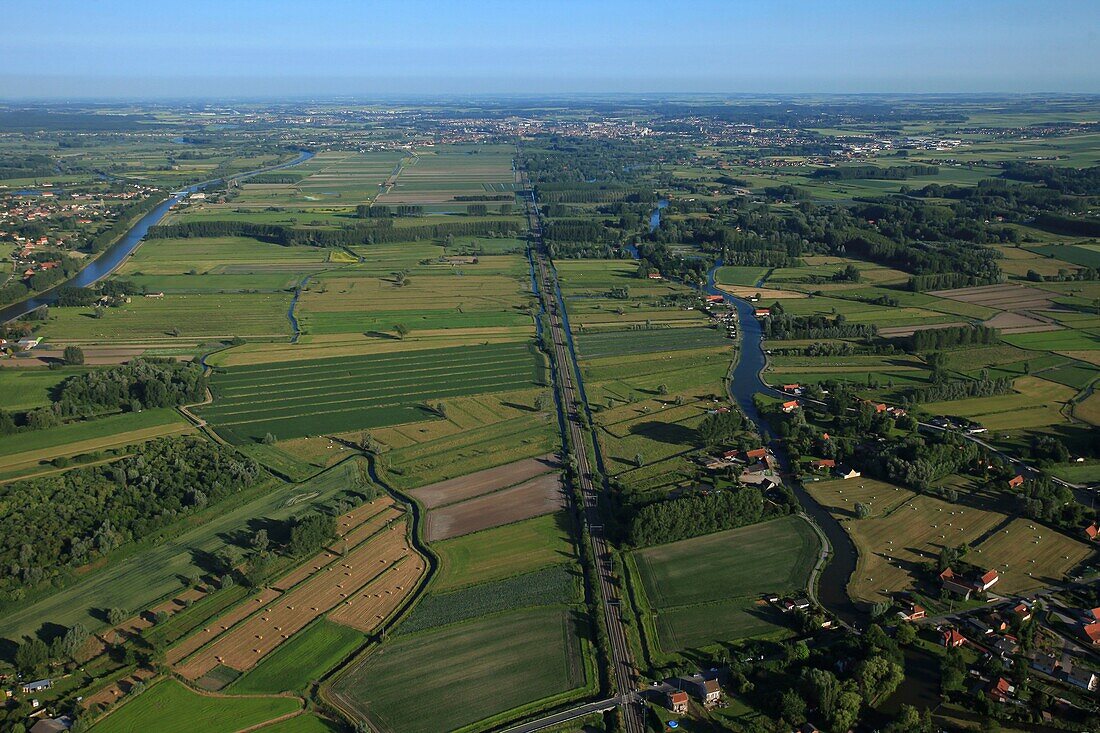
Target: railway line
(567, 380)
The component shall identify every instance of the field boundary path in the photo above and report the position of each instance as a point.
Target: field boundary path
(568, 380)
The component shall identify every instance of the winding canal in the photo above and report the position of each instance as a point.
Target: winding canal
(116, 254)
(746, 382)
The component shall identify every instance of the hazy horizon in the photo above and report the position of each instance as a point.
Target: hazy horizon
(254, 50)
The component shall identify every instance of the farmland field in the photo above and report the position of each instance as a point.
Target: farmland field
(618, 343)
(295, 399)
(172, 708)
(522, 656)
(306, 657)
(540, 495)
(706, 589)
(503, 551)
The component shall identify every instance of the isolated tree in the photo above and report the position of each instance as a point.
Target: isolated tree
(116, 616)
(73, 355)
(74, 641)
(401, 330)
(862, 510)
(639, 460)
(260, 541)
(269, 439)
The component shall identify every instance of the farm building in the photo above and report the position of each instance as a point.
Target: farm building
(793, 388)
(762, 312)
(790, 406)
(964, 585)
(822, 463)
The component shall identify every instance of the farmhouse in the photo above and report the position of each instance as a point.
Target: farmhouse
(790, 406)
(793, 388)
(823, 463)
(1022, 612)
(714, 298)
(1016, 482)
(762, 312)
(677, 701)
(964, 585)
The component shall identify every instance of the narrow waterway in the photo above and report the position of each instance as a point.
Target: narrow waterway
(116, 254)
(745, 384)
(655, 217)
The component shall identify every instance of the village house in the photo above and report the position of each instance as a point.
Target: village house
(1045, 663)
(1022, 612)
(911, 611)
(999, 690)
(1084, 678)
(677, 701)
(951, 638)
(1091, 632)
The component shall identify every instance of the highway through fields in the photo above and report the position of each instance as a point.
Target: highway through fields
(567, 379)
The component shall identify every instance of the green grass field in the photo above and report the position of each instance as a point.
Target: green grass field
(169, 707)
(549, 586)
(469, 671)
(307, 657)
(502, 552)
(705, 589)
(23, 389)
(325, 396)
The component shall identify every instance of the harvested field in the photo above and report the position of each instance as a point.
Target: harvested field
(1002, 297)
(139, 623)
(372, 605)
(1019, 323)
(482, 482)
(246, 643)
(540, 495)
(1029, 556)
(224, 623)
(363, 530)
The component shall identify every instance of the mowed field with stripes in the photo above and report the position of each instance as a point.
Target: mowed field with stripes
(325, 396)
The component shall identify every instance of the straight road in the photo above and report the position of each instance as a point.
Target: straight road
(566, 377)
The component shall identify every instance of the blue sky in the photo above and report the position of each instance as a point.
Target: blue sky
(203, 48)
